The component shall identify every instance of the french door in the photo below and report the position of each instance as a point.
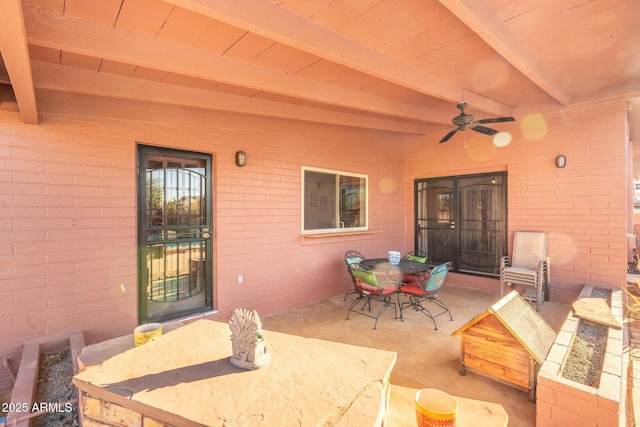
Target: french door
(463, 219)
(174, 233)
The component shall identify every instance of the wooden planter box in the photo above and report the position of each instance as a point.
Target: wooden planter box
(24, 390)
(507, 342)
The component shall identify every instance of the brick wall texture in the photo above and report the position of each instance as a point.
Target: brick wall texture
(68, 208)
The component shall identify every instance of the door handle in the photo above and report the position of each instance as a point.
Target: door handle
(452, 224)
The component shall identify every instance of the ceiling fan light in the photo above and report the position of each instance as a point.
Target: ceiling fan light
(502, 139)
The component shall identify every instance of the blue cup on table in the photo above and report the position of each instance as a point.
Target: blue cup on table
(394, 257)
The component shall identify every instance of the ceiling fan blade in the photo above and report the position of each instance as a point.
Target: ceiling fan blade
(448, 136)
(485, 130)
(497, 120)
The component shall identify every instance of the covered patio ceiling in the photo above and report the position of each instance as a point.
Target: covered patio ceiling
(398, 65)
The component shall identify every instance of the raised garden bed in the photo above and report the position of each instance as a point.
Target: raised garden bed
(586, 355)
(563, 399)
(29, 403)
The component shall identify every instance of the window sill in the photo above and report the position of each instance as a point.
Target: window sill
(321, 238)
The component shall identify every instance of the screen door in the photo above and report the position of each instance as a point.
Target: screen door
(174, 234)
(463, 219)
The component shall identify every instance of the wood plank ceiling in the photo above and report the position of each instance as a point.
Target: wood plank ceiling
(399, 65)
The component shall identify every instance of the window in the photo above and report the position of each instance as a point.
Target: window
(333, 201)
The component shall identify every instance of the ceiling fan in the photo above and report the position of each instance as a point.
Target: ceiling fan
(465, 121)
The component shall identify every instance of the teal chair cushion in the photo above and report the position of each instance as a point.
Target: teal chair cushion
(436, 278)
(353, 260)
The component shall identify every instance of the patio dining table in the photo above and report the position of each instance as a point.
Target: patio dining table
(406, 266)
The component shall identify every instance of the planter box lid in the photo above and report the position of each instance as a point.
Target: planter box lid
(596, 310)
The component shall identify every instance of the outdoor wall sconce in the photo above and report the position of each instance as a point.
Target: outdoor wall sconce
(561, 161)
(241, 159)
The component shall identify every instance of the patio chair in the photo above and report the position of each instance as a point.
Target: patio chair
(528, 267)
(352, 257)
(418, 256)
(423, 291)
(370, 287)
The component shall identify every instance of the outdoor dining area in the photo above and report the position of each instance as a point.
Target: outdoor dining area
(379, 279)
(413, 276)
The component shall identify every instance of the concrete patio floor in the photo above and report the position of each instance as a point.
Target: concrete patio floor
(426, 357)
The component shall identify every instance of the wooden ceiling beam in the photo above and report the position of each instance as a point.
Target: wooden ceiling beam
(15, 53)
(270, 20)
(483, 20)
(56, 31)
(74, 80)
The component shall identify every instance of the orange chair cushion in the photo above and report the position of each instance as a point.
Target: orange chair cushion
(411, 288)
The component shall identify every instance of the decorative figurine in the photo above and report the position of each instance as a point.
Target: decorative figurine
(249, 351)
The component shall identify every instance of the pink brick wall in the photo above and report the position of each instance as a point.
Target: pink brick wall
(68, 209)
(583, 207)
(68, 218)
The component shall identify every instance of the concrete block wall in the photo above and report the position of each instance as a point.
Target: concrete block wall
(564, 403)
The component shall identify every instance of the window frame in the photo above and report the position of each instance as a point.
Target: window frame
(337, 174)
